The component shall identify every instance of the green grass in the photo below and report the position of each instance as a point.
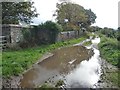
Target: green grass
(87, 43)
(114, 77)
(15, 62)
(110, 52)
(92, 35)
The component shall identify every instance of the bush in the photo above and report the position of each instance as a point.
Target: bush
(50, 30)
(46, 33)
(27, 38)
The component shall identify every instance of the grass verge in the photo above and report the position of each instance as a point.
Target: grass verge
(15, 62)
(87, 43)
(109, 51)
(114, 77)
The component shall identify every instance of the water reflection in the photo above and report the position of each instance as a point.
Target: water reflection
(87, 72)
(78, 66)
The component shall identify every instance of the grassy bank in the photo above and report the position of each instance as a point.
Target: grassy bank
(114, 77)
(110, 52)
(87, 43)
(15, 62)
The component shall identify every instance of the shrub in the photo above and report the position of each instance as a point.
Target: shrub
(51, 30)
(46, 33)
(27, 38)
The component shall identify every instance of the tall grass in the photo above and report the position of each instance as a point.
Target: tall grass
(109, 50)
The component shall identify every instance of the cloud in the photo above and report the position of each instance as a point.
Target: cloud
(46, 9)
(106, 10)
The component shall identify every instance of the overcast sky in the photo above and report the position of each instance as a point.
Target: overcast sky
(106, 11)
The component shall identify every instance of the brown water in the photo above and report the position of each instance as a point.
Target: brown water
(61, 63)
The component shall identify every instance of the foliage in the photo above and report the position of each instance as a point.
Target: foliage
(93, 35)
(108, 32)
(27, 40)
(114, 77)
(109, 50)
(45, 33)
(87, 43)
(73, 16)
(91, 16)
(13, 12)
(15, 62)
(51, 30)
(94, 28)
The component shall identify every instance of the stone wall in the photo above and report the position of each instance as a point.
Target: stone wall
(12, 33)
(69, 35)
(16, 34)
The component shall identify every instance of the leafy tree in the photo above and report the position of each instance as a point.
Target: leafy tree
(91, 16)
(73, 16)
(13, 12)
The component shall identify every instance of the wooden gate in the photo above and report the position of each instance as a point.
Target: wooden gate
(3, 42)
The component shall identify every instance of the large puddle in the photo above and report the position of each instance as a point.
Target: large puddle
(78, 66)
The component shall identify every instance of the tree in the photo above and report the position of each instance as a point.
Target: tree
(73, 16)
(91, 16)
(118, 35)
(13, 12)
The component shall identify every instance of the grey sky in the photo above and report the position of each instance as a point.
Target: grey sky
(106, 11)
